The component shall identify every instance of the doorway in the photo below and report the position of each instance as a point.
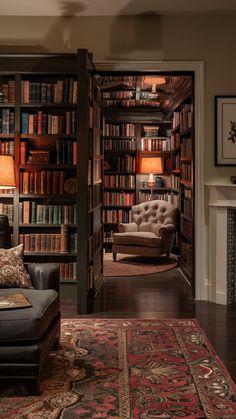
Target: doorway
(194, 70)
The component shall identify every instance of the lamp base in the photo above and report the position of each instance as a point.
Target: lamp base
(151, 183)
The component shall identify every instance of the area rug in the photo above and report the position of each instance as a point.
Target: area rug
(137, 265)
(126, 369)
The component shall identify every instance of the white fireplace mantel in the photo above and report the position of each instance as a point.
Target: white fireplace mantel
(220, 198)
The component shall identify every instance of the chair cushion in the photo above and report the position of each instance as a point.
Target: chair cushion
(27, 324)
(138, 238)
(12, 270)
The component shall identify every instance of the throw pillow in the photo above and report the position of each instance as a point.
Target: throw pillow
(12, 270)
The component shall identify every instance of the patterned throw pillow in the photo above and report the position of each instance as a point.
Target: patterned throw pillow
(12, 270)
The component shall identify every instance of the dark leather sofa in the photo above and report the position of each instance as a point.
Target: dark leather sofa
(27, 335)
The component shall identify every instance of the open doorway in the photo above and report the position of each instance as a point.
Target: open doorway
(149, 119)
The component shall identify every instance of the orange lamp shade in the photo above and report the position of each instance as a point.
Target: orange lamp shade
(151, 165)
(7, 173)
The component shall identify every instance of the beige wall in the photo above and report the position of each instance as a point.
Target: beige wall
(211, 39)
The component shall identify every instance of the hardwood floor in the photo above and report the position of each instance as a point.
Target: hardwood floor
(164, 295)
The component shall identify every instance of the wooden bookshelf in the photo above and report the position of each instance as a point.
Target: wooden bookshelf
(183, 177)
(50, 130)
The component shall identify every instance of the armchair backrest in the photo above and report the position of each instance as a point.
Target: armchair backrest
(151, 215)
(5, 233)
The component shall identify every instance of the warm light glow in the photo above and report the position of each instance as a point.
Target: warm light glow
(7, 174)
(151, 165)
(154, 80)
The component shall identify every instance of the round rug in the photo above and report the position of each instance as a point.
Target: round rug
(129, 265)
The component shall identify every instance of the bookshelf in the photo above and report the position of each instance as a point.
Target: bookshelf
(54, 134)
(182, 139)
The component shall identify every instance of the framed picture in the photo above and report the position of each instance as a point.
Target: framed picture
(225, 130)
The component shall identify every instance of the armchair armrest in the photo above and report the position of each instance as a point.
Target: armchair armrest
(44, 275)
(127, 227)
(168, 228)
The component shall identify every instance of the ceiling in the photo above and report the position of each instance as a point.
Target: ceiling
(112, 7)
(165, 92)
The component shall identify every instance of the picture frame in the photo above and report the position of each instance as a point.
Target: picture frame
(225, 130)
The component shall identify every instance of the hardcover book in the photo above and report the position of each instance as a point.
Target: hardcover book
(18, 300)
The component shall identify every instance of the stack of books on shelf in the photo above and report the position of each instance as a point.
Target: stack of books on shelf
(119, 130)
(68, 271)
(119, 198)
(38, 156)
(7, 121)
(119, 181)
(43, 182)
(111, 216)
(35, 213)
(49, 243)
(7, 209)
(47, 123)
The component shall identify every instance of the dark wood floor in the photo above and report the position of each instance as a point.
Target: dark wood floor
(164, 295)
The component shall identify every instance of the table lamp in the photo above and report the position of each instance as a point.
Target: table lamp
(151, 166)
(7, 173)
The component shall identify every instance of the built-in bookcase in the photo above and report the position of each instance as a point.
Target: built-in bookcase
(54, 134)
(183, 178)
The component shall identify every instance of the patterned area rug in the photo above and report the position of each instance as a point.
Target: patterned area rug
(130, 369)
(127, 265)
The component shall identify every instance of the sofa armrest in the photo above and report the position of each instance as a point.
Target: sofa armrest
(44, 275)
(168, 228)
(127, 227)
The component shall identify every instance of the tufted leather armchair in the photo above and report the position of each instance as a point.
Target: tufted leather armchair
(151, 231)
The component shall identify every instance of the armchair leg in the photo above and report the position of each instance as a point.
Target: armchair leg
(32, 386)
(167, 255)
(114, 257)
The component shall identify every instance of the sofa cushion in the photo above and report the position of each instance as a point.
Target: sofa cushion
(22, 324)
(12, 270)
(138, 238)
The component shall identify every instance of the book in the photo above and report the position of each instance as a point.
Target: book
(9, 301)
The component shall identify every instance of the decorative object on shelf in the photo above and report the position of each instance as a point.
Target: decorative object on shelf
(158, 181)
(70, 185)
(225, 135)
(7, 173)
(151, 166)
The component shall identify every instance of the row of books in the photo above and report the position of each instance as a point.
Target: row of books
(175, 140)
(155, 144)
(183, 118)
(7, 209)
(123, 145)
(44, 182)
(131, 103)
(68, 271)
(7, 92)
(119, 181)
(108, 236)
(122, 94)
(186, 147)
(117, 130)
(124, 163)
(111, 81)
(48, 243)
(47, 123)
(32, 212)
(175, 182)
(169, 197)
(186, 171)
(118, 198)
(116, 216)
(7, 121)
(60, 91)
(187, 208)
(7, 148)
(176, 162)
